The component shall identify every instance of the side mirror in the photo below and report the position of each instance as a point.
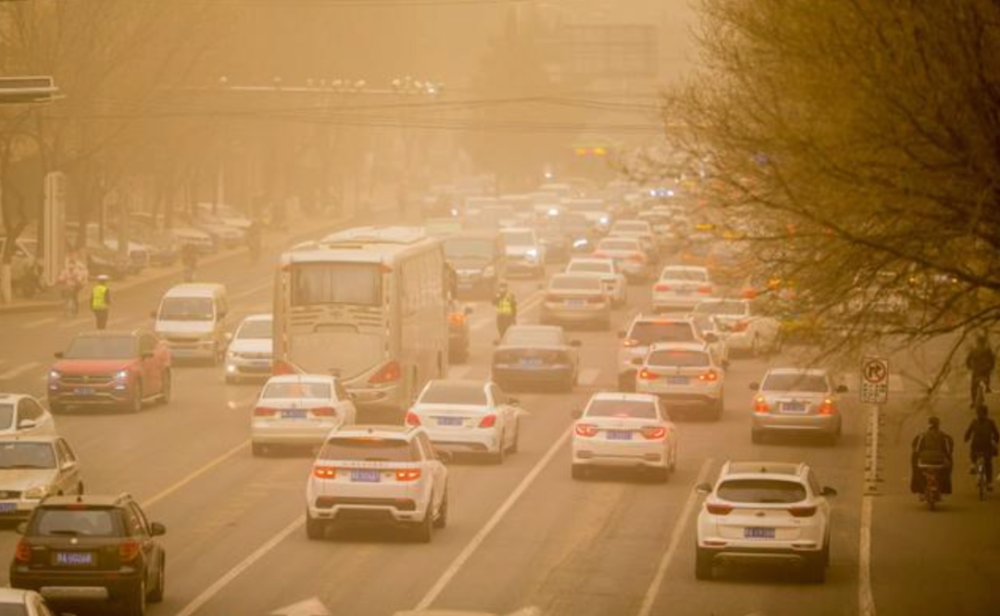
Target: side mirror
(576, 413)
(575, 343)
(621, 335)
(22, 528)
(59, 354)
(68, 466)
(445, 457)
(754, 386)
(841, 389)
(26, 424)
(828, 491)
(703, 488)
(157, 529)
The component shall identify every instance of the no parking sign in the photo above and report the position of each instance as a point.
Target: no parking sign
(874, 380)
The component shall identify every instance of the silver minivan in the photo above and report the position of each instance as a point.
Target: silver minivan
(192, 320)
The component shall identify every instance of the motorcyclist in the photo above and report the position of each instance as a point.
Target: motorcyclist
(933, 447)
(506, 305)
(982, 436)
(980, 361)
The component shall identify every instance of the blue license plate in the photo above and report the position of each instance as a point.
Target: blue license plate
(365, 475)
(84, 391)
(74, 559)
(677, 380)
(293, 414)
(576, 302)
(531, 361)
(619, 435)
(758, 533)
(8, 507)
(793, 407)
(449, 421)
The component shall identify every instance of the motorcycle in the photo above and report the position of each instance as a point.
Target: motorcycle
(932, 484)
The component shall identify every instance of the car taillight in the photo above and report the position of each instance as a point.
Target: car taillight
(718, 509)
(704, 289)
(264, 411)
(456, 318)
(586, 430)
(637, 257)
(661, 287)
(488, 422)
(129, 550)
(654, 432)
(388, 373)
(324, 411)
(709, 376)
(827, 408)
(802, 512)
(325, 472)
(412, 419)
(646, 375)
(760, 406)
(22, 553)
(552, 298)
(740, 326)
(407, 474)
(630, 342)
(600, 255)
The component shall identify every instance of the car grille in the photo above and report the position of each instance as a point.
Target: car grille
(329, 502)
(86, 379)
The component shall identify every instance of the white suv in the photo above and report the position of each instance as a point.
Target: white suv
(382, 474)
(683, 376)
(645, 330)
(765, 512)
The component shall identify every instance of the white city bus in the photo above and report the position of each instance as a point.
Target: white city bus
(369, 305)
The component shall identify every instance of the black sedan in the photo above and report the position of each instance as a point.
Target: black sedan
(536, 354)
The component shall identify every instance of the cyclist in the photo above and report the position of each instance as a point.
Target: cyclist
(983, 436)
(980, 361)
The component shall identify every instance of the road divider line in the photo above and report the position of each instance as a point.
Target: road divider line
(209, 593)
(484, 532)
(16, 372)
(156, 498)
(866, 599)
(675, 541)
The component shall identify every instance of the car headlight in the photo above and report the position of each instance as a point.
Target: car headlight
(604, 220)
(121, 375)
(55, 375)
(36, 493)
(532, 253)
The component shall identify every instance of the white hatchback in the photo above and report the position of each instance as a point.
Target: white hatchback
(249, 355)
(468, 416)
(624, 430)
(681, 287)
(764, 511)
(378, 474)
(21, 414)
(613, 280)
(299, 409)
(683, 375)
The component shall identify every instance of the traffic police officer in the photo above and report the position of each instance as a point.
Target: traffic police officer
(506, 305)
(100, 301)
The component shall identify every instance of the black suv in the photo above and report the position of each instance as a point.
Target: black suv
(90, 549)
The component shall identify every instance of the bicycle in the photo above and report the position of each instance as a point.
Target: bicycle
(979, 391)
(982, 481)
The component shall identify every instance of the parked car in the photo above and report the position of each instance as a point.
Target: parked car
(684, 376)
(249, 354)
(576, 299)
(22, 414)
(32, 468)
(536, 354)
(796, 400)
(116, 368)
(299, 410)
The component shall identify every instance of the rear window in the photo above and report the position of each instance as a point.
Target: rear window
(73, 522)
(638, 409)
(576, 283)
(255, 330)
(298, 390)
(680, 359)
(6, 416)
(808, 383)
(454, 393)
(370, 449)
(591, 267)
(647, 332)
(684, 274)
(763, 491)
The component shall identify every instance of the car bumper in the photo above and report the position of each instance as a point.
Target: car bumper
(822, 424)
(626, 455)
(744, 553)
(192, 350)
(663, 303)
(682, 398)
(59, 587)
(573, 314)
(248, 367)
(16, 509)
(465, 440)
(96, 396)
(309, 433)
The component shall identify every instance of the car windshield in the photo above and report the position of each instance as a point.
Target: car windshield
(723, 308)
(595, 267)
(807, 383)
(101, 347)
(672, 273)
(187, 309)
(445, 392)
(637, 409)
(6, 416)
(680, 359)
(519, 238)
(23, 454)
(369, 449)
(575, 283)
(297, 390)
(74, 522)
(763, 491)
(619, 244)
(255, 330)
(468, 248)
(647, 332)
(532, 337)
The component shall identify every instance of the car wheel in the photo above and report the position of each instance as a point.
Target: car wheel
(315, 529)
(161, 582)
(79, 487)
(717, 409)
(673, 459)
(134, 404)
(166, 387)
(755, 350)
(702, 564)
(579, 472)
(216, 355)
(258, 450)
(756, 436)
(423, 531)
(135, 601)
(442, 517)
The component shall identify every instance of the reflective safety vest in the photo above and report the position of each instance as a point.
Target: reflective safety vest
(99, 297)
(506, 305)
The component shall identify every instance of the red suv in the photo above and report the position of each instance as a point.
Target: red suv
(122, 369)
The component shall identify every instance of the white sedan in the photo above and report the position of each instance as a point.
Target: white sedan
(299, 409)
(743, 329)
(468, 416)
(613, 280)
(624, 431)
(21, 414)
(681, 287)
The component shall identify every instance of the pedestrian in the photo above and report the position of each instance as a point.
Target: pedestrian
(982, 437)
(506, 305)
(100, 301)
(980, 361)
(71, 281)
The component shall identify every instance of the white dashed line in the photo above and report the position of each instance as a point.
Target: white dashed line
(16, 372)
(866, 600)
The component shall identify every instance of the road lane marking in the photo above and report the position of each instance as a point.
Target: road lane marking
(588, 376)
(473, 545)
(40, 322)
(866, 599)
(309, 607)
(209, 593)
(16, 372)
(675, 540)
(156, 498)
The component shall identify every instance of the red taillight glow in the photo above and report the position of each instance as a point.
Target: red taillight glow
(653, 433)
(704, 289)
(552, 298)
(412, 419)
(760, 405)
(22, 553)
(585, 430)
(325, 472)
(802, 512)
(407, 474)
(129, 550)
(630, 342)
(661, 287)
(646, 375)
(709, 376)
(827, 407)
(600, 255)
(324, 411)
(388, 373)
(740, 326)
(488, 422)
(456, 318)
(264, 411)
(718, 509)
(637, 257)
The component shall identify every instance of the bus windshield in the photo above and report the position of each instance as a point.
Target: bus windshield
(336, 283)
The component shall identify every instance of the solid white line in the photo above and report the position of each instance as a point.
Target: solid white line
(470, 549)
(675, 540)
(866, 599)
(194, 475)
(40, 322)
(209, 593)
(15, 372)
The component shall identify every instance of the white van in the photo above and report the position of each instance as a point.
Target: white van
(192, 321)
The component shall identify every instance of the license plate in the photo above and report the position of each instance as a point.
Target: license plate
(84, 391)
(758, 533)
(261, 363)
(74, 559)
(365, 475)
(793, 407)
(8, 507)
(677, 380)
(293, 414)
(619, 435)
(575, 302)
(449, 421)
(531, 361)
